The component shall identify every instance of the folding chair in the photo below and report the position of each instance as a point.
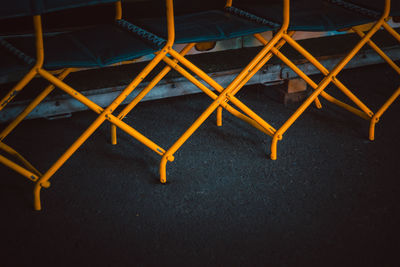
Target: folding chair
(95, 46)
(317, 16)
(274, 14)
(375, 9)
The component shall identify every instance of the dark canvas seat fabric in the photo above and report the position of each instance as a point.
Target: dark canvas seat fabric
(306, 15)
(88, 47)
(211, 25)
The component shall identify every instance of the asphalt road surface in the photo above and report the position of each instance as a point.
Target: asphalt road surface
(331, 198)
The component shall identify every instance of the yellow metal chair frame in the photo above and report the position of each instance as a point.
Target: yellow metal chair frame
(220, 101)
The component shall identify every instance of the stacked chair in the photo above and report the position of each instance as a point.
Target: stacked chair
(106, 44)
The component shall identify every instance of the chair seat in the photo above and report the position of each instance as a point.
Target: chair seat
(212, 25)
(96, 46)
(306, 15)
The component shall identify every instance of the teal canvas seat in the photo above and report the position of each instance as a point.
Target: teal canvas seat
(211, 25)
(306, 15)
(88, 48)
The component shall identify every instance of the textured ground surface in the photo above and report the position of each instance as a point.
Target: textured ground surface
(331, 198)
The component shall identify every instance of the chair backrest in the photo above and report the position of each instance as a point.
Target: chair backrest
(20, 8)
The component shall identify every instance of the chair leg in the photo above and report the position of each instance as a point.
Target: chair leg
(375, 119)
(168, 156)
(17, 88)
(274, 147)
(219, 116)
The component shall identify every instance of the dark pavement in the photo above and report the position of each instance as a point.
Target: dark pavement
(331, 198)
